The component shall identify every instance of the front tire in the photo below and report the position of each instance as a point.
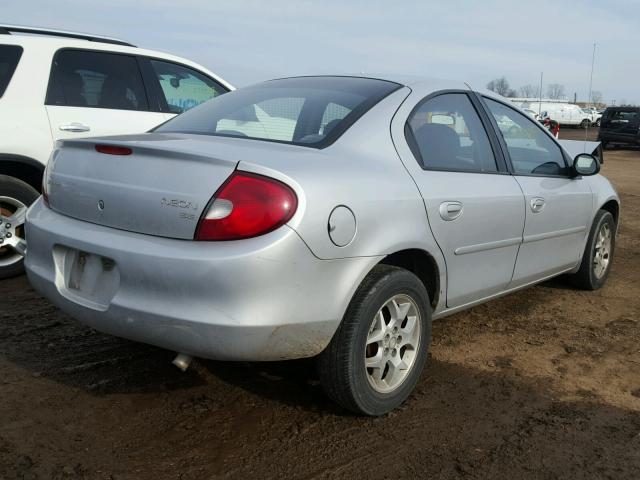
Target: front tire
(15, 197)
(377, 354)
(598, 253)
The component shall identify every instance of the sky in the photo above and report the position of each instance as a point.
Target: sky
(246, 41)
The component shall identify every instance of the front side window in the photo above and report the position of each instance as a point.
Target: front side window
(96, 79)
(449, 135)
(184, 88)
(309, 111)
(9, 58)
(531, 150)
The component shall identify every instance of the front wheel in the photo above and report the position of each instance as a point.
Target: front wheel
(15, 198)
(376, 356)
(598, 253)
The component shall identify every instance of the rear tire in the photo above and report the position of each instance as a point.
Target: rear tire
(585, 123)
(377, 354)
(598, 253)
(14, 194)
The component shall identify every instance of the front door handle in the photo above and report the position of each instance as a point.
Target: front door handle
(450, 210)
(537, 204)
(74, 127)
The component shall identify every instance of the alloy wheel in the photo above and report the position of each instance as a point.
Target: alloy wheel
(392, 343)
(13, 245)
(602, 251)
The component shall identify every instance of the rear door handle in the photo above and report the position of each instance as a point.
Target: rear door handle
(537, 204)
(74, 127)
(450, 210)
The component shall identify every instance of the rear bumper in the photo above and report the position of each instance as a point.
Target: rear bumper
(266, 298)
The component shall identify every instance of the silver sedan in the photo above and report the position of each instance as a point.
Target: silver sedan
(317, 216)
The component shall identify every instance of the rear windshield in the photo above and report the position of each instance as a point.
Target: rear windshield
(309, 111)
(9, 57)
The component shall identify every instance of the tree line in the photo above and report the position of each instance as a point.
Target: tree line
(555, 91)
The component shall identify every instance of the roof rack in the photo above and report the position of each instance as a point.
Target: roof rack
(9, 29)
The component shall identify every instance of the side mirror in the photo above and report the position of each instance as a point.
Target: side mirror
(585, 164)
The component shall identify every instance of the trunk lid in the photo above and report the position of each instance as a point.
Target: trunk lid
(160, 189)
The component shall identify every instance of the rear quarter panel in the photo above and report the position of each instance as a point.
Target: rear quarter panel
(361, 170)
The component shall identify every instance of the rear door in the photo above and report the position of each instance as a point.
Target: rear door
(621, 124)
(95, 93)
(557, 207)
(475, 208)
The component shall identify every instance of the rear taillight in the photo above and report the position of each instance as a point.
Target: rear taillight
(245, 206)
(46, 177)
(113, 150)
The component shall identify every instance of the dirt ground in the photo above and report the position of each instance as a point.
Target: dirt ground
(544, 383)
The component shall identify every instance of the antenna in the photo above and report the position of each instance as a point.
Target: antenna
(540, 95)
(593, 61)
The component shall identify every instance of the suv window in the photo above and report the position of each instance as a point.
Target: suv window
(96, 79)
(183, 87)
(530, 148)
(621, 116)
(9, 58)
(449, 135)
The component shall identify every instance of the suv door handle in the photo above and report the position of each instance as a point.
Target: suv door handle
(74, 127)
(537, 204)
(450, 210)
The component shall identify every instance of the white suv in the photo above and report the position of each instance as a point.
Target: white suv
(56, 85)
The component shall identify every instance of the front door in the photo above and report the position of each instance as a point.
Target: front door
(557, 207)
(97, 93)
(475, 209)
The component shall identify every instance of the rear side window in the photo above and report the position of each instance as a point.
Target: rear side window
(449, 135)
(531, 150)
(309, 111)
(622, 116)
(184, 88)
(96, 79)
(9, 58)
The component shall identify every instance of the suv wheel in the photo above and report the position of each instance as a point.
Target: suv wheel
(15, 198)
(585, 123)
(376, 356)
(598, 254)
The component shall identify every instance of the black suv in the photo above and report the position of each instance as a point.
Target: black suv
(620, 125)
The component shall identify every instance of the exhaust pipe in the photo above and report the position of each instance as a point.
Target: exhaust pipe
(182, 361)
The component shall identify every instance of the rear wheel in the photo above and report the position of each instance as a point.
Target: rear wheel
(15, 198)
(585, 123)
(598, 253)
(375, 358)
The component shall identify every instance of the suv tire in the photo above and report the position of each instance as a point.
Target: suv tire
(13, 193)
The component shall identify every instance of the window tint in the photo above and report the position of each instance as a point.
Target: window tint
(183, 87)
(96, 79)
(9, 57)
(450, 136)
(310, 111)
(621, 116)
(530, 148)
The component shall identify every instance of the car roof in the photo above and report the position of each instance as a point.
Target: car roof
(627, 108)
(23, 29)
(410, 81)
(54, 43)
